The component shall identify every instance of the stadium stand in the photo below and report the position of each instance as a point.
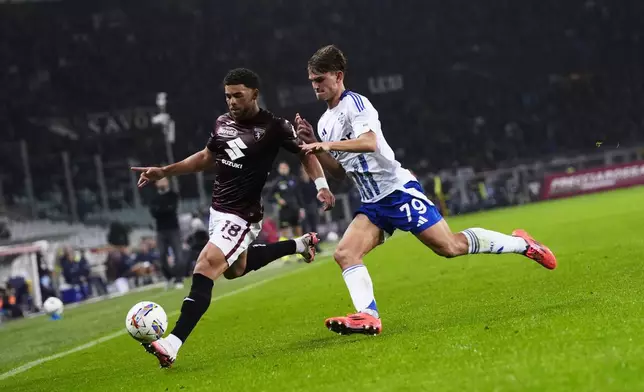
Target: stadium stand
(487, 100)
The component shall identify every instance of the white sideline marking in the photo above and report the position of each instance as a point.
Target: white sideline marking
(111, 336)
(37, 362)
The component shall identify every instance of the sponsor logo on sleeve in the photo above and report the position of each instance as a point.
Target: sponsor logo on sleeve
(227, 131)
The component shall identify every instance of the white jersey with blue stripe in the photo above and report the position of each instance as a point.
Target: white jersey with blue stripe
(376, 174)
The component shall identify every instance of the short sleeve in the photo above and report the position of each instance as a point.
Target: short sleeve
(288, 137)
(211, 145)
(362, 115)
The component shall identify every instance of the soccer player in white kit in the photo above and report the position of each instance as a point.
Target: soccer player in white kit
(351, 143)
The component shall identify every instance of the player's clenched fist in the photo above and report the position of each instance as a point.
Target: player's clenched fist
(304, 130)
(148, 174)
(326, 197)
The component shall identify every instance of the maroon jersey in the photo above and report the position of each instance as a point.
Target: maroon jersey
(244, 153)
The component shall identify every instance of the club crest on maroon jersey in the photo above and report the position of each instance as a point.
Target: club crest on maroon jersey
(258, 133)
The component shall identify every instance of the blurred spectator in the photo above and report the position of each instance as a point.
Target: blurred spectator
(195, 242)
(143, 262)
(46, 278)
(5, 233)
(118, 266)
(75, 267)
(82, 79)
(8, 304)
(96, 279)
(270, 232)
(287, 195)
(4, 301)
(19, 298)
(163, 208)
(118, 235)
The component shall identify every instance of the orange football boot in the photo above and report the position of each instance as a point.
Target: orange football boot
(363, 323)
(536, 251)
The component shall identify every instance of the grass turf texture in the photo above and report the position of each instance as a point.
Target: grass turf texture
(476, 323)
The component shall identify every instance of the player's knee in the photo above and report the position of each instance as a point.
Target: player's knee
(202, 267)
(345, 258)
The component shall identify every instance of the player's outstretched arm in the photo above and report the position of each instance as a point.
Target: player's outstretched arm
(365, 143)
(305, 133)
(194, 163)
(330, 165)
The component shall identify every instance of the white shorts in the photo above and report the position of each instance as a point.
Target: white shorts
(231, 233)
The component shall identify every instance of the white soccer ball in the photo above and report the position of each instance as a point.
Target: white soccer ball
(53, 306)
(332, 236)
(146, 322)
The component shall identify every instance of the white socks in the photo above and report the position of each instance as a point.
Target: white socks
(361, 289)
(174, 341)
(487, 241)
(300, 246)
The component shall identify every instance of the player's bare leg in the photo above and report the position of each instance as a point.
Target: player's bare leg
(443, 242)
(260, 255)
(359, 239)
(210, 265)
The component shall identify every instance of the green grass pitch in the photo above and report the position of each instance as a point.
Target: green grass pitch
(476, 323)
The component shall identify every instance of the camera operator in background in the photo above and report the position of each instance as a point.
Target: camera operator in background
(163, 208)
(287, 194)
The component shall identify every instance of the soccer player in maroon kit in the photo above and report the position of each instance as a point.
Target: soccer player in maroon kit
(243, 146)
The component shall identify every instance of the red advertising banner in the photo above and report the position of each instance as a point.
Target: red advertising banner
(593, 180)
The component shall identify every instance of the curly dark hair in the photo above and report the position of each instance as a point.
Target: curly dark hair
(242, 76)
